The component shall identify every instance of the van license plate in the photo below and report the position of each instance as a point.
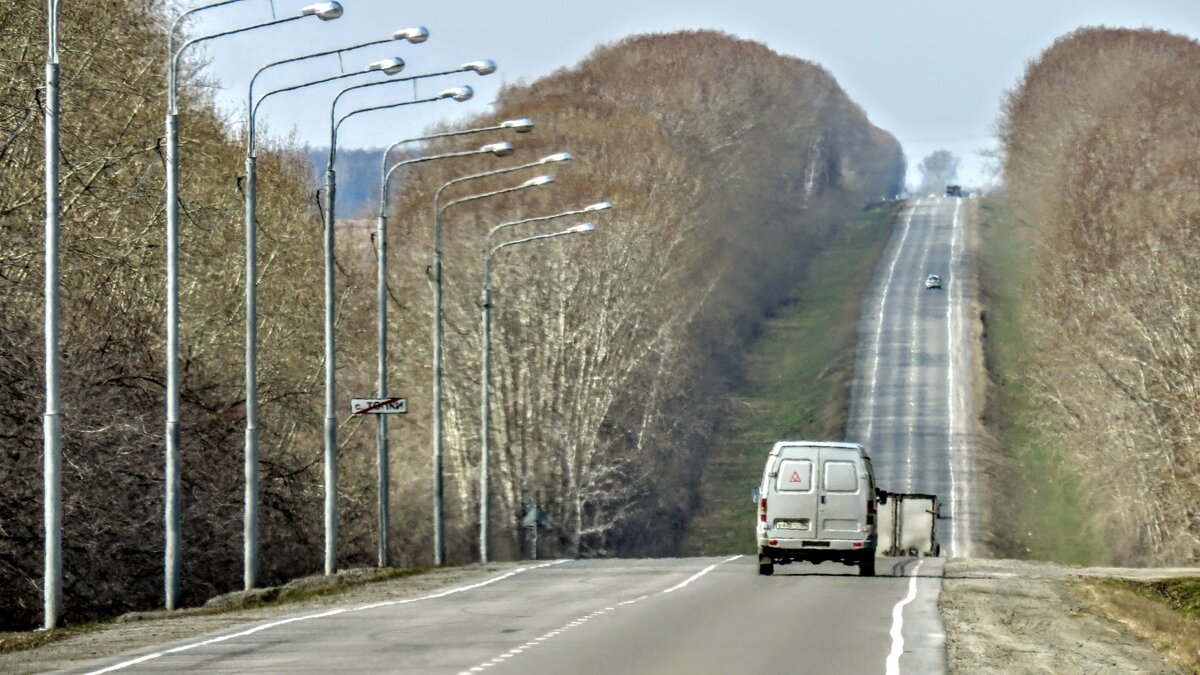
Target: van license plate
(785, 525)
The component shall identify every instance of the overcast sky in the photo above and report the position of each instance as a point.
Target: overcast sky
(931, 73)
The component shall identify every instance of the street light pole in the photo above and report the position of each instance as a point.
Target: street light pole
(250, 503)
(381, 433)
(485, 374)
(52, 421)
(173, 508)
(485, 304)
(439, 544)
(459, 94)
(382, 461)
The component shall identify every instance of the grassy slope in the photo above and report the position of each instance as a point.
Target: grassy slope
(1165, 613)
(1040, 495)
(797, 382)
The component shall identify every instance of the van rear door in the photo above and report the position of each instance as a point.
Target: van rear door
(792, 495)
(843, 490)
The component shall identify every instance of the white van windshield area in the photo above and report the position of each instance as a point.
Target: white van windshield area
(795, 475)
(840, 477)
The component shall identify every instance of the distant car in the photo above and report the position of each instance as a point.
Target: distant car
(933, 281)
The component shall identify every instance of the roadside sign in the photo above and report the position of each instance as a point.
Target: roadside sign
(378, 406)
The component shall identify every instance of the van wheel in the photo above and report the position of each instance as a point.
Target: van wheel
(866, 566)
(766, 566)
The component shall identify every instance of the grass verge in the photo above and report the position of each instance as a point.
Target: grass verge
(295, 591)
(797, 382)
(1164, 613)
(1039, 507)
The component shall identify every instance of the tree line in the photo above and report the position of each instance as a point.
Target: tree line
(1101, 166)
(729, 166)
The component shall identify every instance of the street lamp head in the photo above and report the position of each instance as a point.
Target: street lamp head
(580, 228)
(521, 126)
(502, 149)
(325, 11)
(414, 35)
(556, 157)
(483, 67)
(389, 66)
(459, 94)
(538, 180)
(598, 206)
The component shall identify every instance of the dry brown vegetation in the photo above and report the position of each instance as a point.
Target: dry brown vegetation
(729, 165)
(1102, 164)
(1173, 633)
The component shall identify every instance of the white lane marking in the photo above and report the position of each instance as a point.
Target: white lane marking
(694, 577)
(319, 615)
(870, 408)
(914, 368)
(959, 537)
(577, 622)
(897, 632)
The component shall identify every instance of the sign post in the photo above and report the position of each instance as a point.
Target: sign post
(381, 406)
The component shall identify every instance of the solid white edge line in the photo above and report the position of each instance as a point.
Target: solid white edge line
(319, 615)
(958, 534)
(897, 631)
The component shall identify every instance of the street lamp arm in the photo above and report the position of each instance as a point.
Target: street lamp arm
(431, 137)
(294, 87)
(333, 107)
(495, 172)
(483, 195)
(521, 126)
(385, 106)
(294, 59)
(535, 237)
(174, 63)
(415, 35)
(180, 19)
(383, 191)
(171, 51)
(538, 219)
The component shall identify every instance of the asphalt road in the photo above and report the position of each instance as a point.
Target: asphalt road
(697, 615)
(912, 389)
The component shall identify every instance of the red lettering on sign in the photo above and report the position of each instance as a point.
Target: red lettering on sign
(795, 478)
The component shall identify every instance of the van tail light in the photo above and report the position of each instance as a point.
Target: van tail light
(762, 510)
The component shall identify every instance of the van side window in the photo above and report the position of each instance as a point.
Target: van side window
(795, 475)
(840, 476)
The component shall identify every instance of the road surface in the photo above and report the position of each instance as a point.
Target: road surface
(911, 398)
(696, 615)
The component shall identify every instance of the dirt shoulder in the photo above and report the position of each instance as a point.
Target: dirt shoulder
(1009, 616)
(144, 629)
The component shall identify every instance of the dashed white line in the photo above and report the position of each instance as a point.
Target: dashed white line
(583, 619)
(319, 615)
(867, 436)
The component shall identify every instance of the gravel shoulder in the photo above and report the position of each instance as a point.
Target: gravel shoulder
(145, 629)
(1009, 616)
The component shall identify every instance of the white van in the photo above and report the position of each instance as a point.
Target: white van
(816, 503)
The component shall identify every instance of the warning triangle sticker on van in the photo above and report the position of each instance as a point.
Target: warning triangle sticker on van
(795, 478)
